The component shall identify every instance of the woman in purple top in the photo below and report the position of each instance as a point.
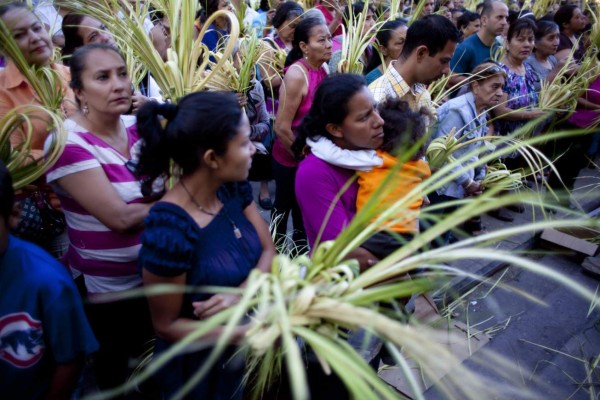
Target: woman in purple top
(312, 49)
(344, 112)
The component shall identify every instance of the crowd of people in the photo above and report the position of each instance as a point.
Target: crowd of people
(124, 220)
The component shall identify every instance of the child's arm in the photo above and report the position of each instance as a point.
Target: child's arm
(359, 160)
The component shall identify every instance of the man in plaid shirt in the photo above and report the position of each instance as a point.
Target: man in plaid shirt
(428, 49)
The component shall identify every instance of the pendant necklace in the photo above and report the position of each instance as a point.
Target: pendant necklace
(236, 231)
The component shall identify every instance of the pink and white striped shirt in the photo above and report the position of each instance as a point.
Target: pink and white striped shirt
(108, 259)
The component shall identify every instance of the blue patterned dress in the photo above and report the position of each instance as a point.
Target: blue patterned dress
(521, 94)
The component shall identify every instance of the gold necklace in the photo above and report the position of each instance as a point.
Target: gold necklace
(198, 206)
(236, 231)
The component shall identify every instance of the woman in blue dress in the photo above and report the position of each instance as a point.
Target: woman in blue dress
(205, 231)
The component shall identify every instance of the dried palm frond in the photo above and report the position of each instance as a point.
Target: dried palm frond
(25, 168)
(187, 58)
(542, 7)
(236, 74)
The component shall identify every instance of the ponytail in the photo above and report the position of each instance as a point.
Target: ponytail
(201, 121)
(154, 154)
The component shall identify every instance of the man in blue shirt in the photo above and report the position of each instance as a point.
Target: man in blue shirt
(479, 47)
(44, 334)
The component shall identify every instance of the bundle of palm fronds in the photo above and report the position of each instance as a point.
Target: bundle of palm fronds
(319, 298)
(498, 176)
(25, 167)
(540, 8)
(356, 41)
(236, 74)
(184, 71)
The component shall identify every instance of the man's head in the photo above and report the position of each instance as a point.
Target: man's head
(430, 44)
(494, 14)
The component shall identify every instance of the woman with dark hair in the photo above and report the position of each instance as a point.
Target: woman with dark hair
(80, 30)
(344, 113)
(519, 94)
(286, 19)
(306, 69)
(521, 80)
(571, 22)
(206, 231)
(468, 23)
(352, 11)
(35, 44)
(390, 41)
(105, 203)
(218, 31)
(543, 59)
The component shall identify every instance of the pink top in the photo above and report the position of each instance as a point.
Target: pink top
(317, 184)
(94, 249)
(585, 118)
(313, 78)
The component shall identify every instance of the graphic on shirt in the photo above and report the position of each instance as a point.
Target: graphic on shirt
(21, 340)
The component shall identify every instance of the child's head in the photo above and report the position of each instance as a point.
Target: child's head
(402, 127)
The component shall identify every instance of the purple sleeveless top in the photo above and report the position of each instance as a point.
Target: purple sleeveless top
(313, 78)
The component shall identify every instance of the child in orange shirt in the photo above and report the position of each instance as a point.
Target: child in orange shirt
(402, 129)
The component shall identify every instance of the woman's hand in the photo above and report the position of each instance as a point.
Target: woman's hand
(217, 303)
(472, 188)
(242, 99)
(137, 101)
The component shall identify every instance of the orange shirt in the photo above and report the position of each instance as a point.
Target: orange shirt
(411, 174)
(16, 91)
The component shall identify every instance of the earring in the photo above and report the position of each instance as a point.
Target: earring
(85, 110)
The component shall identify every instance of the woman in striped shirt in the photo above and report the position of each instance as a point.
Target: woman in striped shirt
(105, 202)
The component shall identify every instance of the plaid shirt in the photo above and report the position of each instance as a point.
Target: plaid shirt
(391, 84)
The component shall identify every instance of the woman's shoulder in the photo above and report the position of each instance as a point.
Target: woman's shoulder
(168, 240)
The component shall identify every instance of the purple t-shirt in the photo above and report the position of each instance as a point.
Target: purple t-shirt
(585, 118)
(317, 184)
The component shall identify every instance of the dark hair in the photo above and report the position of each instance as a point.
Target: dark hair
(7, 194)
(70, 28)
(544, 28)
(564, 15)
(402, 127)
(383, 38)
(264, 5)
(520, 25)
(356, 8)
(13, 6)
(285, 11)
(433, 31)
(330, 106)
(301, 34)
(78, 59)
(466, 18)
(200, 121)
(212, 6)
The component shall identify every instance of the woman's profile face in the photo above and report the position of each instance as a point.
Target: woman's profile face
(363, 127)
(30, 34)
(286, 30)
(319, 44)
(106, 84)
(93, 31)
(396, 43)
(235, 164)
